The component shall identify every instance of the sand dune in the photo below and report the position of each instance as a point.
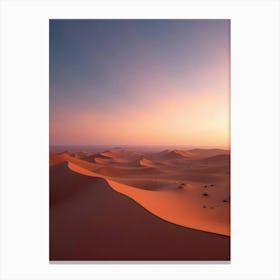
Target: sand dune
(110, 154)
(182, 153)
(170, 157)
(58, 158)
(121, 154)
(219, 158)
(102, 160)
(171, 154)
(89, 220)
(203, 153)
(146, 162)
(177, 194)
(179, 206)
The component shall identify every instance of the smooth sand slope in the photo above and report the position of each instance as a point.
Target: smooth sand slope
(90, 220)
(182, 205)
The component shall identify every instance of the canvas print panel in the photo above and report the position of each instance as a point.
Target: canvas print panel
(139, 140)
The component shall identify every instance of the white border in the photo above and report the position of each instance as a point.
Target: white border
(254, 130)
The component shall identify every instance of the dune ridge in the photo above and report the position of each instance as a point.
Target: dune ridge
(59, 158)
(168, 205)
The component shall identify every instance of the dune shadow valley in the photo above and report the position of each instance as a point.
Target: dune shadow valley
(131, 203)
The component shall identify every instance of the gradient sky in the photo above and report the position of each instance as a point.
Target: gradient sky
(139, 82)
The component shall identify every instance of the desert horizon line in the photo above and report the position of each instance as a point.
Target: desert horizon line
(140, 145)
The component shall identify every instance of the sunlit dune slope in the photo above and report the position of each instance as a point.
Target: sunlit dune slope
(182, 206)
(146, 162)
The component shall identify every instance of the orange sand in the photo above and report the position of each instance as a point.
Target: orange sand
(140, 206)
(181, 187)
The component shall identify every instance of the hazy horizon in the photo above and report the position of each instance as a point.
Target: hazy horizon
(139, 82)
(144, 148)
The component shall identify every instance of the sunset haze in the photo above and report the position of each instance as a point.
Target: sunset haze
(132, 82)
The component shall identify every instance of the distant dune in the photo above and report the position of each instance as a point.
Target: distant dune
(219, 157)
(185, 154)
(146, 162)
(171, 154)
(182, 153)
(121, 153)
(102, 160)
(207, 152)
